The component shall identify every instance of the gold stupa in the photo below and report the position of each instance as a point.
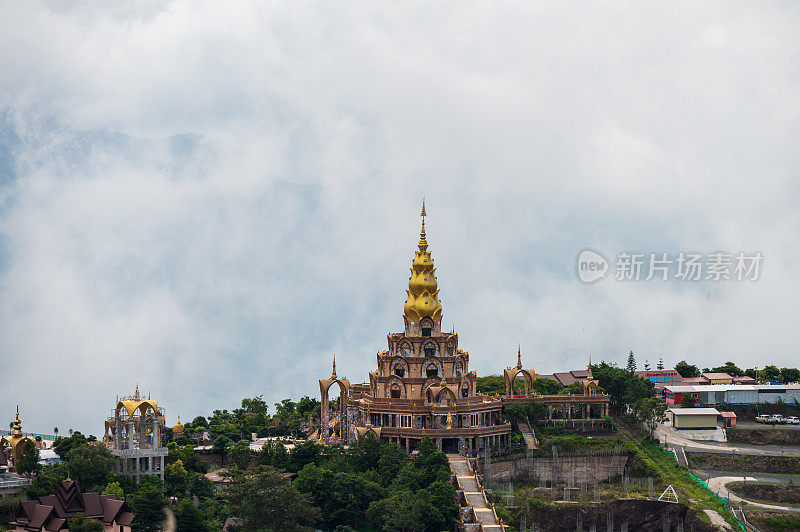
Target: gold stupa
(423, 294)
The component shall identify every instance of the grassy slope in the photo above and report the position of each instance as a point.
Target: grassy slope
(664, 466)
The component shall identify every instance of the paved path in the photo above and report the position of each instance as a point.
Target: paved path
(718, 485)
(717, 520)
(473, 493)
(674, 438)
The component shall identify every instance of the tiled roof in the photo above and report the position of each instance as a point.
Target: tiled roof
(51, 512)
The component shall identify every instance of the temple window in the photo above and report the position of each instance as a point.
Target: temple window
(450, 350)
(432, 371)
(430, 351)
(426, 331)
(405, 421)
(395, 391)
(465, 392)
(400, 371)
(473, 420)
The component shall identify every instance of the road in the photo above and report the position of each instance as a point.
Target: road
(753, 425)
(718, 485)
(673, 437)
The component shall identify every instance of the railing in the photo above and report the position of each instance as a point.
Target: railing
(444, 432)
(14, 482)
(30, 434)
(483, 492)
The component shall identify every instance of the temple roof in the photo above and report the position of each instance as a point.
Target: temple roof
(52, 512)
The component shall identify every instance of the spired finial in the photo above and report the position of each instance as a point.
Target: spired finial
(423, 244)
(519, 356)
(136, 395)
(333, 373)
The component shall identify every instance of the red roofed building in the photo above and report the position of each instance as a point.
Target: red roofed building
(52, 512)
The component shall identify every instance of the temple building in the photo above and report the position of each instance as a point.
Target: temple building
(52, 512)
(11, 446)
(134, 435)
(422, 387)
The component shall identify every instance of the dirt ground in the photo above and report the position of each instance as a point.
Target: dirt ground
(764, 436)
(638, 514)
(743, 463)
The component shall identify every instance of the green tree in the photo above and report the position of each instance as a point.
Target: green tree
(305, 453)
(115, 489)
(79, 523)
(789, 375)
(90, 465)
(264, 500)
(686, 370)
(771, 372)
(176, 478)
(650, 411)
(631, 362)
(576, 388)
(220, 446)
(240, 454)
(646, 365)
(730, 368)
(28, 459)
(688, 400)
(660, 364)
(63, 446)
(623, 387)
(46, 482)
(391, 461)
(148, 503)
(200, 486)
(189, 518)
(491, 385)
(546, 386)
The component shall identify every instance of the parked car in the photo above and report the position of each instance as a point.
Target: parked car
(763, 418)
(794, 420)
(777, 419)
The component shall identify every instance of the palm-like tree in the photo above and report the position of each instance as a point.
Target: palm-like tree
(70, 433)
(55, 431)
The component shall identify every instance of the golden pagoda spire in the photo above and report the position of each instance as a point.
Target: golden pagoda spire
(423, 294)
(16, 429)
(423, 244)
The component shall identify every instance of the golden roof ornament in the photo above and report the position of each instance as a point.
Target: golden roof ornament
(423, 293)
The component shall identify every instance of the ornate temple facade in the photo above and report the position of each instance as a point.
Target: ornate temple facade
(422, 386)
(134, 435)
(11, 446)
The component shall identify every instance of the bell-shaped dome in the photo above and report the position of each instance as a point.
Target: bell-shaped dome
(423, 293)
(177, 429)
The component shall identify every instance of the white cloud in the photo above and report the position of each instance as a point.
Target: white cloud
(210, 199)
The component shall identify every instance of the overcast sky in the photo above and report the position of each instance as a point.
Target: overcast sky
(211, 199)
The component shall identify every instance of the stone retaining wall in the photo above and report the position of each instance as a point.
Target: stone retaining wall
(563, 469)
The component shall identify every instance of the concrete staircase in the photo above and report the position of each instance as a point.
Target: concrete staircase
(527, 434)
(474, 494)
